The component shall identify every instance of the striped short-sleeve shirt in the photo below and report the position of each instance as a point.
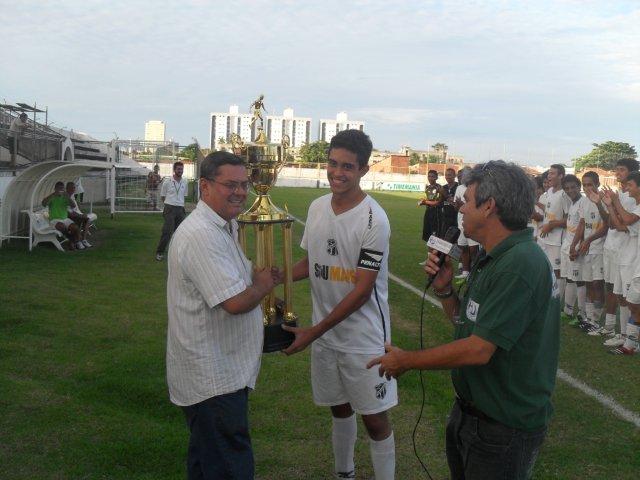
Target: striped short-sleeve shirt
(210, 352)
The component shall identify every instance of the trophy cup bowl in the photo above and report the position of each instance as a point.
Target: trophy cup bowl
(264, 161)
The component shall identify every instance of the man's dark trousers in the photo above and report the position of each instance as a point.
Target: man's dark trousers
(173, 216)
(482, 448)
(219, 446)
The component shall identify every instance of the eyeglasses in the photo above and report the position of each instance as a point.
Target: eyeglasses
(232, 186)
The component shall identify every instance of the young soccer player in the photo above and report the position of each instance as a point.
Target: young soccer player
(570, 262)
(557, 205)
(624, 212)
(347, 244)
(612, 248)
(593, 229)
(633, 291)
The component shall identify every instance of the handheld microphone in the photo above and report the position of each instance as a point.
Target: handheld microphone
(445, 246)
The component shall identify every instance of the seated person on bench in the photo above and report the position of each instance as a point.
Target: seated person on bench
(57, 204)
(74, 213)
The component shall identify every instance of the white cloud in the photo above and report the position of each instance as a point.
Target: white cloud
(527, 72)
(401, 116)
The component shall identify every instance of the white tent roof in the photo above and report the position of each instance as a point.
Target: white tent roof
(28, 189)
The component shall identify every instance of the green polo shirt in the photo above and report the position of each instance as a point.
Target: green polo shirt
(512, 301)
(58, 207)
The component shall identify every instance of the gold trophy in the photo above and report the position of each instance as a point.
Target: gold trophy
(264, 160)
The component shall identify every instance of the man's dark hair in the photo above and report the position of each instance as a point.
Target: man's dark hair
(451, 169)
(177, 164)
(433, 171)
(635, 176)
(355, 141)
(629, 163)
(70, 184)
(545, 174)
(59, 184)
(571, 179)
(212, 162)
(511, 189)
(559, 168)
(593, 175)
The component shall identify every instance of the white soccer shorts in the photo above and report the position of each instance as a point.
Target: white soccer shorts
(593, 267)
(571, 270)
(338, 378)
(610, 265)
(623, 279)
(553, 254)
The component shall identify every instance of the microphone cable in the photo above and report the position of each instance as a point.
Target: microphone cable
(420, 372)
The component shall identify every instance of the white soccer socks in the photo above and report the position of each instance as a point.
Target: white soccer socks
(383, 457)
(624, 319)
(343, 437)
(570, 294)
(631, 343)
(582, 301)
(562, 283)
(610, 322)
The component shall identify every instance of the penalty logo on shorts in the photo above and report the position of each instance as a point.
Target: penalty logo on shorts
(381, 390)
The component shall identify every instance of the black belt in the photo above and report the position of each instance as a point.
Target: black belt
(468, 408)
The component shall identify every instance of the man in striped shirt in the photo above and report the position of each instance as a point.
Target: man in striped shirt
(214, 337)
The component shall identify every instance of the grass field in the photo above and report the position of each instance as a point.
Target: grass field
(82, 377)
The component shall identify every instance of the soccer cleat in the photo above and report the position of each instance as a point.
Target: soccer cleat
(616, 341)
(622, 350)
(597, 331)
(351, 474)
(86, 244)
(159, 257)
(80, 246)
(462, 276)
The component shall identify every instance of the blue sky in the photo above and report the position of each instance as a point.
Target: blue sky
(533, 82)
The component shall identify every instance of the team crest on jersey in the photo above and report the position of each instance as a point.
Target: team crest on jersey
(332, 248)
(381, 390)
(593, 215)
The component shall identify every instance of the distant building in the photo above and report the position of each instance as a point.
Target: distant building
(223, 125)
(154, 131)
(298, 128)
(328, 128)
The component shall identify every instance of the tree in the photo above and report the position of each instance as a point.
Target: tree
(441, 151)
(605, 155)
(314, 152)
(190, 152)
(432, 158)
(414, 158)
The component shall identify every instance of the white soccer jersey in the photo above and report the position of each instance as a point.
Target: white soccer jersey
(336, 246)
(592, 223)
(629, 245)
(460, 196)
(556, 207)
(573, 220)
(616, 239)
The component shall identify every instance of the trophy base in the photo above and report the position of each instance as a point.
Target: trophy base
(276, 339)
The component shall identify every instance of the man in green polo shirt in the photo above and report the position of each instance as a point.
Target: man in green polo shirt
(57, 203)
(504, 357)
